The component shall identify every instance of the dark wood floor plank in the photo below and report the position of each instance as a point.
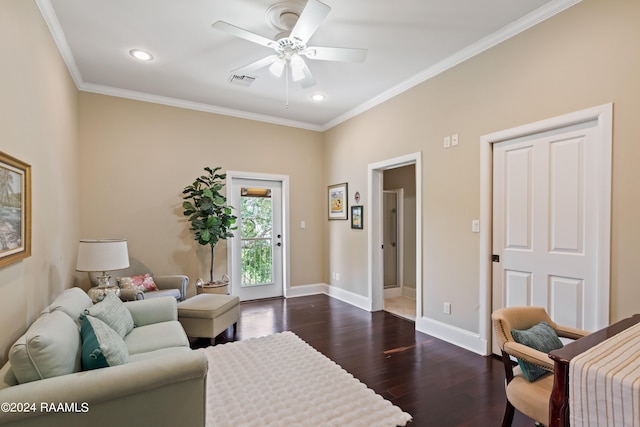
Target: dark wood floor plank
(439, 384)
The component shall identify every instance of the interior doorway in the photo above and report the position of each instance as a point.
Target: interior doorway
(398, 244)
(400, 176)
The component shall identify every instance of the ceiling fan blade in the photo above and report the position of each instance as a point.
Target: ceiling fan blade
(256, 65)
(243, 34)
(310, 19)
(343, 54)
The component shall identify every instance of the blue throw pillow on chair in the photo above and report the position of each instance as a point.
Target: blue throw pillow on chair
(541, 337)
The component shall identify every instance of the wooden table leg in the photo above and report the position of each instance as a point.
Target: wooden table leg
(559, 401)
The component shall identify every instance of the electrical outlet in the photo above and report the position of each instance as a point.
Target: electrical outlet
(454, 140)
(338, 276)
(447, 308)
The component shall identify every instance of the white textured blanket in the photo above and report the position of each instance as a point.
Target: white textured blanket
(604, 388)
(280, 380)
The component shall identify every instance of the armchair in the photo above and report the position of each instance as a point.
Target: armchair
(173, 285)
(529, 397)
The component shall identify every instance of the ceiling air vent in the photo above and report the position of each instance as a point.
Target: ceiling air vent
(241, 80)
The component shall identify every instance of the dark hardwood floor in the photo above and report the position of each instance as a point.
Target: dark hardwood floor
(439, 384)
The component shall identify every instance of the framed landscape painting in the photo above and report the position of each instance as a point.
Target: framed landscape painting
(338, 201)
(15, 210)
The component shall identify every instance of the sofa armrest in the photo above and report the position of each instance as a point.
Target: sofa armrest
(117, 395)
(155, 310)
(178, 282)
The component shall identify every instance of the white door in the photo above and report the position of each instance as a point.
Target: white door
(257, 246)
(545, 224)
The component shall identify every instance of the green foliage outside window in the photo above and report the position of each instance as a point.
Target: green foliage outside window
(256, 232)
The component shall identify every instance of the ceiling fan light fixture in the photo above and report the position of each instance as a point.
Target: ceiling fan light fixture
(277, 67)
(297, 67)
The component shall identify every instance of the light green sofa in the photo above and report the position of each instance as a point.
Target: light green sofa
(163, 384)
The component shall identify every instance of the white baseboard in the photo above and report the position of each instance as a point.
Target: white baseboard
(332, 291)
(349, 297)
(454, 335)
(392, 292)
(304, 290)
(409, 292)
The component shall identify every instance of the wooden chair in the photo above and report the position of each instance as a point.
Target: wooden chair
(530, 398)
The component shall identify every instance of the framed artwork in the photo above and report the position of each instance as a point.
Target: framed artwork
(15, 210)
(338, 201)
(356, 217)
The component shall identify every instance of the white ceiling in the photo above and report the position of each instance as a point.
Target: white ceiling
(408, 41)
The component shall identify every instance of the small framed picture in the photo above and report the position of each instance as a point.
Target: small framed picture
(338, 201)
(356, 217)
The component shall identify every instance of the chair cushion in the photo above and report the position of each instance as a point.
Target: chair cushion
(49, 348)
(112, 311)
(541, 337)
(531, 398)
(101, 345)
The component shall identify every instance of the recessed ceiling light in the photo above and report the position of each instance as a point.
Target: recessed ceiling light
(141, 55)
(318, 97)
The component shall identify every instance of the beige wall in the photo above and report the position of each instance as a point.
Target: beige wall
(137, 157)
(38, 126)
(583, 57)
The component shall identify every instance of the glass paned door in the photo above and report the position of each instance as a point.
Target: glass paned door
(257, 244)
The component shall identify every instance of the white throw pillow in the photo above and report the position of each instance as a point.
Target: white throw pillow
(113, 312)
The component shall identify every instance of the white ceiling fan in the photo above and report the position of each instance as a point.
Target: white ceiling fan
(291, 45)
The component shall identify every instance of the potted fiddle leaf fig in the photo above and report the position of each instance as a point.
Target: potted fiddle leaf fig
(211, 219)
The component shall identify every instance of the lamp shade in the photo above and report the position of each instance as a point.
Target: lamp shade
(102, 255)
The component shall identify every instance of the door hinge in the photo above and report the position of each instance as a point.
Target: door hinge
(495, 258)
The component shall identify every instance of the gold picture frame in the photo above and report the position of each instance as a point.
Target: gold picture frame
(338, 201)
(15, 210)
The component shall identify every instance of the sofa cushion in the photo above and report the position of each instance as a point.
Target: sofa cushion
(101, 345)
(73, 302)
(112, 311)
(541, 337)
(49, 348)
(156, 336)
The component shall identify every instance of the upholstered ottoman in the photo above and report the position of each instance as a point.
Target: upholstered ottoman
(208, 315)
